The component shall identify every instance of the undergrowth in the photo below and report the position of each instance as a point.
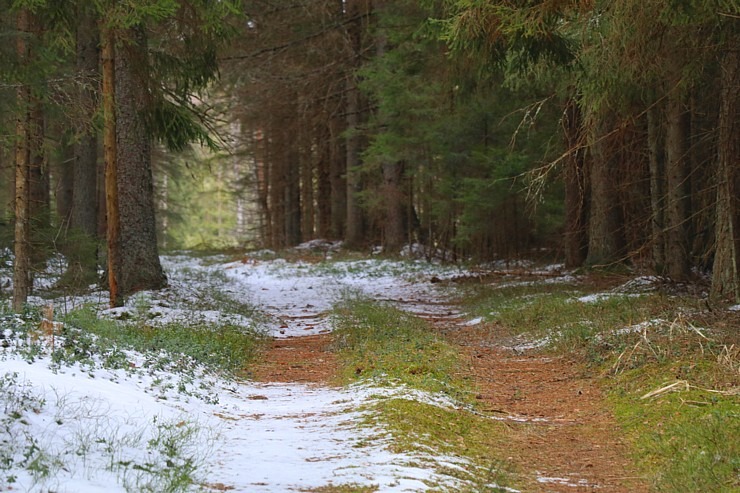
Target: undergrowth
(379, 344)
(224, 347)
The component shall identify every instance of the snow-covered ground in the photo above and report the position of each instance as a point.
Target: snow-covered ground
(88, 428)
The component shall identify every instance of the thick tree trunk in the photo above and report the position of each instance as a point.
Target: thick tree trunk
(84, 199)
(656, 147)
(111, 169)
(725, 275)
(140, 265)
(576, 187)
(677, 191)
(22, 280)
(605, 238)
(82, 250)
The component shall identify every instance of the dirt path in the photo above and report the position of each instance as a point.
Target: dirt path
(563, 439)
(562, 433)
(306, 359)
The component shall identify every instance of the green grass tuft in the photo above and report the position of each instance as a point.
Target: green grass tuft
(223, 347)
(377, 342)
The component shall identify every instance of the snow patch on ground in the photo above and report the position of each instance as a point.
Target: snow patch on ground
(254, 437)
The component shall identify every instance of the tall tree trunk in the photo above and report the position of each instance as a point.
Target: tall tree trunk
(292, 194)
(140, 265)
(576, 187)
(338, 181)
(354, 235)
(395, 234)
(22, 281)
(64, 187)
(111, 168)
(262, 175)
(38, 183)
(278, 186)
(656, 148)
(677, 192)
(605, 239)
(307, 194)
(725, 275)
(84, 217)
(323, 184)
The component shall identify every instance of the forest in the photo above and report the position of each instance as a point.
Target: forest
(369, 245)
(601, 133)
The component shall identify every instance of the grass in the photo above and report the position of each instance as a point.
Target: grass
(223, 347)
(685, 438)
(382, 345)
(685, 441)
(378, 342)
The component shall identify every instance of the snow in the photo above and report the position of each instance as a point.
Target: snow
(298, 296)
(100, 429)
(257, 437)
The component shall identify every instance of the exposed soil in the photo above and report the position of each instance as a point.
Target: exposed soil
(304, 360)
(563, 438)
(562, 432)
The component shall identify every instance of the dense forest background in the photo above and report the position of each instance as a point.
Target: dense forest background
(602, 133)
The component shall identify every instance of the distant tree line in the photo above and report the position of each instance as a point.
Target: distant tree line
(605, 132)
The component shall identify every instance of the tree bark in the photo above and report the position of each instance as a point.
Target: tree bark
(338, 181)
(656, 147)
(725, 275)
(576, 186)
(323, 185)
(84, 212)
(677, 193)
(278, 186)
(22, 280)
(111, 168)
(395, 233)
(38, 183)
(64, 187)
(140, 265)
(354, 235)
(292, 194)
(308, 211)
(605, 239)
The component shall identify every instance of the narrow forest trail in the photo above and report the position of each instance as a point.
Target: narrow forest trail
(562, 437)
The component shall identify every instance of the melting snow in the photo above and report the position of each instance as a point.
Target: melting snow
(96, 423)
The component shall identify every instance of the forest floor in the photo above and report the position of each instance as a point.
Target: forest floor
(562, 435)
(239, 377)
